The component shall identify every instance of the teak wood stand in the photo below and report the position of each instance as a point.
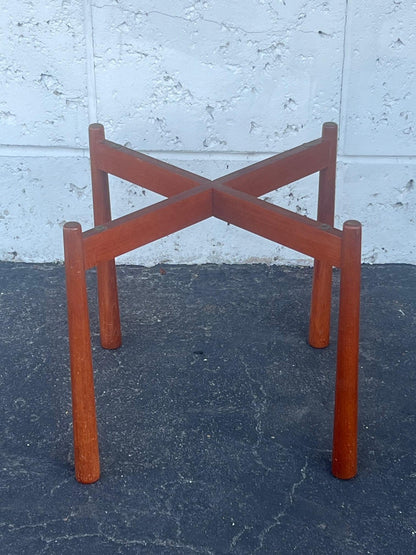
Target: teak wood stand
(190, 199)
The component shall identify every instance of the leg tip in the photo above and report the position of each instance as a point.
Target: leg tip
(87, 471)
(111, 340)
(343, 471)
(318, 340)
(87, 478)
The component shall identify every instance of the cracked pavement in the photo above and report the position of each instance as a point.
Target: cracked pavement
(215, 417)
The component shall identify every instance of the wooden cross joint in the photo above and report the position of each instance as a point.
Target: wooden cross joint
(192, 198)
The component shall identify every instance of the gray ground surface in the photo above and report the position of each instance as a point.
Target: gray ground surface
(215, 417)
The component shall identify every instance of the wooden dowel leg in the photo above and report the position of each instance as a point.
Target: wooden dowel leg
(344, 453)
(110, 328)
(87, 465)
(320, 316)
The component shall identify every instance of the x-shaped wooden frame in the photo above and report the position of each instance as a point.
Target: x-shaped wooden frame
(190, 199)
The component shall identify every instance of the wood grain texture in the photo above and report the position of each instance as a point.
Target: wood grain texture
(320, 315)
(145, 171)
(344, 454)
(146, 225)
(87, 464)
(278, 224)
(109, 312)
(279, 170)
(232, 198)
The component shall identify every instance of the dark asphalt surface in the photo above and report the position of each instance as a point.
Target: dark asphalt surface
(215, 417)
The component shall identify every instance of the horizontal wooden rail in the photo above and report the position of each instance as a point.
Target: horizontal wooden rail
(146, 225)
(145, 171)
(300, 233)
(279, 170)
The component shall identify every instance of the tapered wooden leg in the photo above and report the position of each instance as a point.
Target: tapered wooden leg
(320, 318)
(87, 464)
(110, 328)
(344, 453)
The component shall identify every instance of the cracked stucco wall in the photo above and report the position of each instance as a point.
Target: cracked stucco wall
(210, 86)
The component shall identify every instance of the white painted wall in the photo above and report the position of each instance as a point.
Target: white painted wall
(210, 86)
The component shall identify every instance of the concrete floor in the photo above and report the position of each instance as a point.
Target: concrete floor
(215, 417)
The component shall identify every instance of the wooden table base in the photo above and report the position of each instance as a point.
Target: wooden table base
(190, 199)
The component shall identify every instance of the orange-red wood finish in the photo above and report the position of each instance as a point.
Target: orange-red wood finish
(87, 464)
(110, 327)
(190, 199)
(320, 316)
(344, 452)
